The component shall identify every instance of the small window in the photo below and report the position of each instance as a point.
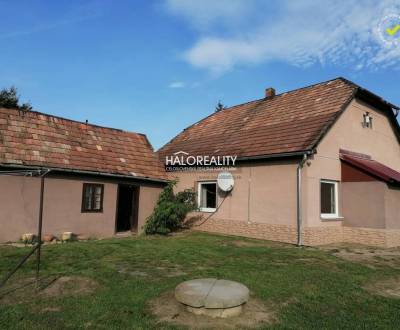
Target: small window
(92, 197)
(329, 199)
(207, 197)
(367, 120)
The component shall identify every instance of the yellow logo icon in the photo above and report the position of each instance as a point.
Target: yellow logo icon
(393, 31)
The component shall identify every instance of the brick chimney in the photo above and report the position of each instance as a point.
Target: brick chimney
(269, 93)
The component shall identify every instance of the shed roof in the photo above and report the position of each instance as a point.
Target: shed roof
(372, 167)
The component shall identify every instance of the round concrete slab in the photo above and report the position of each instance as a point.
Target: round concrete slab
(193, 293)
(212, 293)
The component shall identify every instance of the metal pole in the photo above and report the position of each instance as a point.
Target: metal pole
(3, 282)
(40, 229)
(39, 244)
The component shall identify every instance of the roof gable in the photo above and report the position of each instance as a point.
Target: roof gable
(36, 139)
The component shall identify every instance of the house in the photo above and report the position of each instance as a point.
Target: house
(97, 181)
(316, 165)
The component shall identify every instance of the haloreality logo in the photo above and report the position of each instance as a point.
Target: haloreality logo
(181, 160)
(388, 30)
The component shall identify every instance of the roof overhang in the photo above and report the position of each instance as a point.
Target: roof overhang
(82, 172)
(293, 154)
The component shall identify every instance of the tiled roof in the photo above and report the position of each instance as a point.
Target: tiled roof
(289, 122)
(36, 139)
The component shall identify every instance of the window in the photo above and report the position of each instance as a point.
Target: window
(329, 199)
(367, 120)
(92, 197)
(207, 196)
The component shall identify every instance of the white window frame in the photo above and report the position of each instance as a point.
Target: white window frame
(336, 187)
(207, 209)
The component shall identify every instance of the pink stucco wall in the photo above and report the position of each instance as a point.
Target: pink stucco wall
(371, 205)
(363, 204)
(263, 193)
(392, 208)
(19, 200)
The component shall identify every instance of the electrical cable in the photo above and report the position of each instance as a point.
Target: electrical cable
(210, 215)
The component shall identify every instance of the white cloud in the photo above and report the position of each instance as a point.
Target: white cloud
(302, 32)
(177, 84)
(204, 13)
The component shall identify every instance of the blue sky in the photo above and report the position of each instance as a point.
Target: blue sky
(156, 67)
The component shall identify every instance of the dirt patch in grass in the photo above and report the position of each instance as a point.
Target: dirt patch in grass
(168, 310)
(69, 285)
(253, 243)
(155, 272)
(387, 288)
(370, 256)
(51, 309)
(239, 243)
(23, 290)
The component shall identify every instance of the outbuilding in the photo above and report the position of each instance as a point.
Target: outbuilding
(98, 181)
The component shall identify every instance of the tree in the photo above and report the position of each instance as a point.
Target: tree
(9, 99)
(219, 106)
(170, 211)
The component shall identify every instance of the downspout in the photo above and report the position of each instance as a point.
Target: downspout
(299, 208)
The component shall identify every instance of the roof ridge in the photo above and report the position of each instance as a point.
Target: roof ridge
(70, 120)
(295, 90)
(254, 101)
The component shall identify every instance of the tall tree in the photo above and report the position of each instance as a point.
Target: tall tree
(9, 99)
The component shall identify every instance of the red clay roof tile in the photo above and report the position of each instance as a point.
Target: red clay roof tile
(36, 139)
(289, 122)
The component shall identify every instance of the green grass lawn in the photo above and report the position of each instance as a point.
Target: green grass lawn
(307, 287)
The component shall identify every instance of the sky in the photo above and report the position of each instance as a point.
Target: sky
(156, 67)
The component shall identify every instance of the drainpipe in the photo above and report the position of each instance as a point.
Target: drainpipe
(299, 208)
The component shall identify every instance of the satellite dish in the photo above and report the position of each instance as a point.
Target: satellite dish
(225, 181)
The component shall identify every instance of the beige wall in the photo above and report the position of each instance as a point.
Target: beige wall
(263, 193)
(364, 204)
(19, 206)
(62, 209)
(371, 205)
(380, 142)
(19, 202)
(148, 197)
(392, 208)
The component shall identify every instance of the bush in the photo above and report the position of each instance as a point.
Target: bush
(170, 211)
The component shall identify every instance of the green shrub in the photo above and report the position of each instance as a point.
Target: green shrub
(170, 211)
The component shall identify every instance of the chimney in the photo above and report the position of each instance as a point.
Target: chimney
(269, 93)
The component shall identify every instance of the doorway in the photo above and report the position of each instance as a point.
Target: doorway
(127, 208)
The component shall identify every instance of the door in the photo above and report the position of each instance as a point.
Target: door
(127, 208)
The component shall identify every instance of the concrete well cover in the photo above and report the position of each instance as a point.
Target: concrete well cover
(212, 293)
